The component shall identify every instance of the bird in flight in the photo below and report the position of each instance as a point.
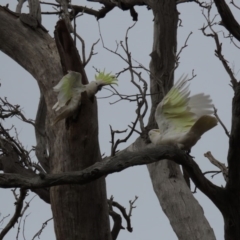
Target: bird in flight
(70, 88)
(181, 119)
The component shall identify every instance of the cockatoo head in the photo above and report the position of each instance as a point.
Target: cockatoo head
(154, 135)
(103, 79)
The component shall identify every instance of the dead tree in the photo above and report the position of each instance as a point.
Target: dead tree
(69, 155)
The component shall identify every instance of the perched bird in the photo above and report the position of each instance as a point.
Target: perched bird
(70, 88)
(181, 119)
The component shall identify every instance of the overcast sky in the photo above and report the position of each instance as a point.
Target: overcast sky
(148, 220)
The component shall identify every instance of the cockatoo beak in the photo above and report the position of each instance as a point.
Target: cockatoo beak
(99, 88)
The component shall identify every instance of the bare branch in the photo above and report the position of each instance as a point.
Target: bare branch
(218, 164)
(2, 220)
(117, 226)
(35, 10)
(229, 22)
(24, 221)
(17, 214)
(180, 51)
(218, 51)
(235, 5)
(114, 52)
(123, 211)
(14, 159)
(113, 143)
(119, 162)
(98, 14)
(132, 206)
(201, 4)
(52, 4)
(141, 98)
(220, 121)
(12, 110)
(91, 53)
(42, 228)
(19, 6)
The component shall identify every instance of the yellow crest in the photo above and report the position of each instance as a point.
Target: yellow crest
(106, 79)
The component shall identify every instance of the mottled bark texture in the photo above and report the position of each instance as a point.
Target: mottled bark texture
(182, 209)
(124, 159)
(76, 147)
(76, 209)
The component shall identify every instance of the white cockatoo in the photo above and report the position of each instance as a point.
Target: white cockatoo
(70, 88)
(181, 119)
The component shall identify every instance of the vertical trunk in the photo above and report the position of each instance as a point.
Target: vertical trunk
(231, 216)
(184, 212)
(231, 208)
(80, 212)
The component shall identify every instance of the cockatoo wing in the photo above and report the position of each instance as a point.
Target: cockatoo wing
(201, 104)
(202, 125)
(178, 112)
(69, 85)
(69, 109)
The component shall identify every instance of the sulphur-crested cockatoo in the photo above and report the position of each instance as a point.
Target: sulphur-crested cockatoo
(181, 119)
(69, 91)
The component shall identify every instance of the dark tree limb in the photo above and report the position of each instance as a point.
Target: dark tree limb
(123, 211)
(70, 58)
(121, 161)
(228, 20)
(117, 219)
(98, 14)
(234, 147)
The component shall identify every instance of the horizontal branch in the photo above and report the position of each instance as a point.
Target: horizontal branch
(121, 161)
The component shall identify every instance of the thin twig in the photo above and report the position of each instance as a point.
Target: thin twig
(42, 228)
(218, 51)
(233, 3)
(17, 214)
(220, 121)
(24, 221)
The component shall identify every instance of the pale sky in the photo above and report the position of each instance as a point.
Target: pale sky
(148, 220)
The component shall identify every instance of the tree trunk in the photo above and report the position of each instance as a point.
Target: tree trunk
(184, 212)
(231, 215)
(230, 207)
(77, 210)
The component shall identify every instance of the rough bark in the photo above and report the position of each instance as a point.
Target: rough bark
(231, 210)
(129, 157)
(76, 148)
(168, 183)
(41, 149)
(78, 209)
(185, 214)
